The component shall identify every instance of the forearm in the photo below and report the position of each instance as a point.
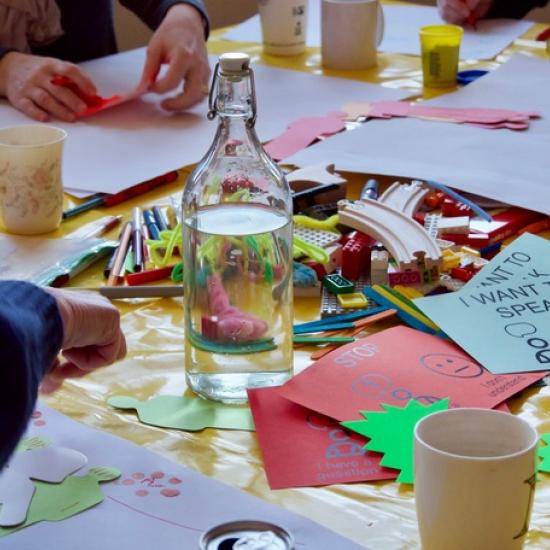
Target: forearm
(513, 9)
(31, 334)
(152, 12)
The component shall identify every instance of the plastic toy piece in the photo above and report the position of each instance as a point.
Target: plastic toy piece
(407, 278)
(461, 274)
(379, 264)
(317, 267)
(316, 237)
(338, 284)
(391, 432)
(330, 306)
(404, 238)
(303, 248)
(434, 199)
(356, 256)
(450, 259)
(334, 258)
(406, 198)
(355, 300)
(451, 208)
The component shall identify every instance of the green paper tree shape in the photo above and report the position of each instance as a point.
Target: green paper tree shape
(391, 432)
(187, 413)
(544, 454)
(59, 501)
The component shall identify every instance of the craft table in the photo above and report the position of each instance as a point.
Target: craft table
(378, 515)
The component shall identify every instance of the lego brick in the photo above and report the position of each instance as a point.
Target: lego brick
(407, 278)
(451, 208)
(354, 300)
(330, 305)
(318, 237)
(338, 284)
(334, 252)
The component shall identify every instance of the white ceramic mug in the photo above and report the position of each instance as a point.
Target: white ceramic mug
(474, 479)
(31, 191)
(351, 31)
(284, 26)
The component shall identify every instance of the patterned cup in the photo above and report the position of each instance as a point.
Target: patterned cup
(31, 191)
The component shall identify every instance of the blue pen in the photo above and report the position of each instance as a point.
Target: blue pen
(149, 219)
(370, 190)
(159, 219)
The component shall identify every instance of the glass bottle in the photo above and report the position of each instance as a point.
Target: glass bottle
(237, 251)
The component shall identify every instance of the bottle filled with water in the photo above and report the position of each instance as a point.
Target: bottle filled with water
(237, 251)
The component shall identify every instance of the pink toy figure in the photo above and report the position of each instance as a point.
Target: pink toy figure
(232, 324)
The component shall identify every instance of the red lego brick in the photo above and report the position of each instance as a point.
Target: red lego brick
(408, 277)
(475, 240)
(453, 209)
(355, 258)
(461, 274)
(317, 267)
(434, 199)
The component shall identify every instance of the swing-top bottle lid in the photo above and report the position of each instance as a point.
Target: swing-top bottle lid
(234, 63)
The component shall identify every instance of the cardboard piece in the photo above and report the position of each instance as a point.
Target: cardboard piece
(544, 454)
(502, 316)
(186, 413)
(510, 167)
(402, 23)
(48, 464)
(391, 433)
(304, 132)
(301, 448)
(394, 366)
(482, 117)
(56, 502)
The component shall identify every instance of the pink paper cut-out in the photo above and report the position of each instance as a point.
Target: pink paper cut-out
(304, 132)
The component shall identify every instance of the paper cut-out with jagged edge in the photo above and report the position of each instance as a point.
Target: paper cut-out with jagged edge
(33, 460)
(544, 454)
(186, 413)
(59, 501)
(391, 433)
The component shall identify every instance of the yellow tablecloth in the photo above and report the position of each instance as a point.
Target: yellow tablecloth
(380, 515)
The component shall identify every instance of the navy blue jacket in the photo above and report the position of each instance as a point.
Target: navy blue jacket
(89, 30)
(31, 334)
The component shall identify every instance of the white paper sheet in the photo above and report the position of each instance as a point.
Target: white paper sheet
(512, 167)
(125, 521)
(137, 141)
(401, 31)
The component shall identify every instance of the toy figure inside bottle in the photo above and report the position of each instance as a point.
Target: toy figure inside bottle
(237, 240)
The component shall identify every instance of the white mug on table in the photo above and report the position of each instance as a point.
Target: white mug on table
(351, 31)
(474, 479)
(31, 192)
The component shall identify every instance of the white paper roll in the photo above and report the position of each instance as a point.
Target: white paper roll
(351, 32)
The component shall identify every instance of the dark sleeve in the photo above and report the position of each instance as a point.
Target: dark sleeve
(152, 12)
(4, 51)
(31, 334)
(514, 9)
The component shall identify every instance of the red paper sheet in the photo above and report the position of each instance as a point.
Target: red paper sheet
(302, 448)
(394, 366)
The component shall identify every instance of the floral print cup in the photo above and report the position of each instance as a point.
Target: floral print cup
(31, 191)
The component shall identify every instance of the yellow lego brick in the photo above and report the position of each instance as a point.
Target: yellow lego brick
(450, 261)
(353, 301)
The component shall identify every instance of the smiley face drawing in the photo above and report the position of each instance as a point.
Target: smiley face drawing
(451, 365)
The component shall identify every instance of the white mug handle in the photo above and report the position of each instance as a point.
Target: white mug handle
(381, 25)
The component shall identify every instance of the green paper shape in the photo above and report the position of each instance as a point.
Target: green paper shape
(59, 501)
(544, 454)
(186, 413)
(391, 432)
(30, 443)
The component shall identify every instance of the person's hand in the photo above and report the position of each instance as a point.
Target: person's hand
(92, 336)
(178, 42)
(459, 12)
(26, 81)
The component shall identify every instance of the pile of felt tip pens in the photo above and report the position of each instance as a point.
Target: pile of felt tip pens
(131, 260)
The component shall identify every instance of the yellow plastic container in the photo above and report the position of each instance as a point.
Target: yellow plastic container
(440, 45)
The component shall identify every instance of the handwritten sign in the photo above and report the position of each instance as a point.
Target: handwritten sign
(394, 366)
(502, 316)
(302, 448)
